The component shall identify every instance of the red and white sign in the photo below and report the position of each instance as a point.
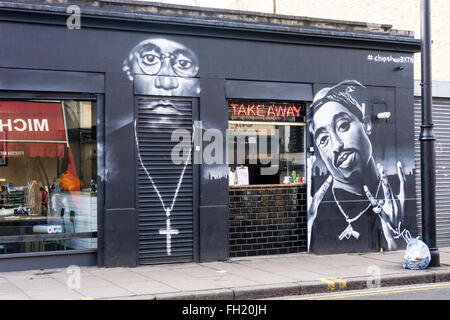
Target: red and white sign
(33, 129)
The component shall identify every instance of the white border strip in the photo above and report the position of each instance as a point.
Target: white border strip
(65, 124)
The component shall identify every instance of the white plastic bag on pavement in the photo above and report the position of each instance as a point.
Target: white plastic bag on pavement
(417, 255)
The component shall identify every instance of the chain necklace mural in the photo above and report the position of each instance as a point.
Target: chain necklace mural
(349, 231)
(166, 69)
(168, 232)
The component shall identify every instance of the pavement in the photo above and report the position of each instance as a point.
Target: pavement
(246, 278)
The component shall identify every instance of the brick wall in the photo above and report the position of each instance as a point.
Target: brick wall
(267, 220)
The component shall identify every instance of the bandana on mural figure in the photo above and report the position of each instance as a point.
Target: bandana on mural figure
(353, 187)
(167, 69)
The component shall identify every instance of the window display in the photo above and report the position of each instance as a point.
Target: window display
(265, 135)
(48, 173)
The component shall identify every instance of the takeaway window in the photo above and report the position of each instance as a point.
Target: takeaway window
(48, 170)
(266, 143)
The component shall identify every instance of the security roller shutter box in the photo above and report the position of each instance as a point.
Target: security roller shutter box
(441, 120)
(154, 131)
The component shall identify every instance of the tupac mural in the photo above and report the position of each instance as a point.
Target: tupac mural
(354, 203)
(164, 74)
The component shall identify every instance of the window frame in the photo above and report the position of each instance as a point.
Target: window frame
(274, 123)
(99, 100)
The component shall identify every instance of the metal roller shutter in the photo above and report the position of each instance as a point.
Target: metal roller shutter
(441, 120)
(163, 239)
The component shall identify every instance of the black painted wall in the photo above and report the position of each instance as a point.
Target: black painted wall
(222, 56)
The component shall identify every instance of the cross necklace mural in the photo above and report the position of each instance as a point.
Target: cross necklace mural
(349, 231)
(168, 232)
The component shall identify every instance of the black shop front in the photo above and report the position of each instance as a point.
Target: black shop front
(145, 136)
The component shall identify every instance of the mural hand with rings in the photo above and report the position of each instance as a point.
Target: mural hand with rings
(314, 204)
(390, 210)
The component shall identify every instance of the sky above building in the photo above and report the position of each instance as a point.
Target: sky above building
(401, 14)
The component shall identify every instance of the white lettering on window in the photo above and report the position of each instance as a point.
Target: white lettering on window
(24, 125)
(30, 125)
(40, 126)
(8, 125)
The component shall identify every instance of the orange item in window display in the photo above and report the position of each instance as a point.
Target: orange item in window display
(69, 182)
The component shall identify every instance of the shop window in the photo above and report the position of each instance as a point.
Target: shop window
(266, 143)
(48, 172)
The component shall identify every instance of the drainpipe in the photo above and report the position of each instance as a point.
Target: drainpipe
(427, 139)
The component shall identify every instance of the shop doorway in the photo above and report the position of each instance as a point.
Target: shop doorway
(165, 190)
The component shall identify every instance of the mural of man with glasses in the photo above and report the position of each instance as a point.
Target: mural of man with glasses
(164, 74)
(163, 68)
(356, 194)
(169, 68)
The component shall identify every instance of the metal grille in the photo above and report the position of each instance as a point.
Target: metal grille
(156, 121)
(441, 120)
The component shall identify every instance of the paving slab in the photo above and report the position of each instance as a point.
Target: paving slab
(186, 265)
(17, 275)
(53, 273)
(194, 284)
(14, 296)
(103, 271)
(123, 277)
(386, 258)
(254, 274)
(166, 275)
(148, 288)
(9, 288)
(40, 294)
(301, 275)
(445, 258)
(199, 272)
(36, 284)
(230, 281)
(88, 281)
(104, 292)
(262, 277)
(323, 272)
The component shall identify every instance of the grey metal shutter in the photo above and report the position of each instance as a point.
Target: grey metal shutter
(441, 120)
(154, 132)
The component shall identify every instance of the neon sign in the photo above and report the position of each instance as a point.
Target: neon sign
(263, 110)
